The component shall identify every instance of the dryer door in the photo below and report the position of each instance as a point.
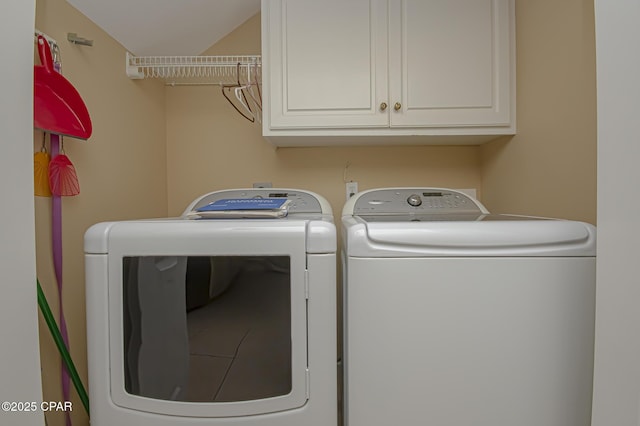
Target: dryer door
(208, 318)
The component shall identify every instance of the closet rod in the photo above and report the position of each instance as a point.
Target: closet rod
(176, 83)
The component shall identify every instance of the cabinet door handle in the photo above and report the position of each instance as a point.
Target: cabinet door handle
(383, 106)
(397, 106)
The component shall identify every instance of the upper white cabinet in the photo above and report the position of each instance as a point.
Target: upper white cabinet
(437, 70)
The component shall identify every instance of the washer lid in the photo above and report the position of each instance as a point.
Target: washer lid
(486, 235)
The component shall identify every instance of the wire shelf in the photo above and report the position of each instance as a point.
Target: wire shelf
(222, 69)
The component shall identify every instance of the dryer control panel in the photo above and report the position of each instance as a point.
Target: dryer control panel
(413, 201)
(301, 201)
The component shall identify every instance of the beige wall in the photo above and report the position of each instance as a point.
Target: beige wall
(549, 167)
(210, 147)
(121, 169)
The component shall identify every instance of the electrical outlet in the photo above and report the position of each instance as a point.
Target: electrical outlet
(352, 188)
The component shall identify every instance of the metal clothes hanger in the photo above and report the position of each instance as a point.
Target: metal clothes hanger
(240, 96)
(250, 85)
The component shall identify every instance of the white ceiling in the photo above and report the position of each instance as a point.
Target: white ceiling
(167, 27)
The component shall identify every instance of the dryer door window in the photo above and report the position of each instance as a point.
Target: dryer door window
(207, 328)
(207, 318)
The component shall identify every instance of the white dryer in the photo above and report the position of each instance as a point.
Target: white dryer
(454, 316)
(227, 321)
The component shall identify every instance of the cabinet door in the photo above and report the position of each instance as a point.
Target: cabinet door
(325, 63)
(450, 63)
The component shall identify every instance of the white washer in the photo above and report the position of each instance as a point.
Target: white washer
(214, 321)
(454, 316)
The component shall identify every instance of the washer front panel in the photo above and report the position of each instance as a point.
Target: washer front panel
(476, 341)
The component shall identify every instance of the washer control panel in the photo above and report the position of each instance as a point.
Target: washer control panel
(416, 200)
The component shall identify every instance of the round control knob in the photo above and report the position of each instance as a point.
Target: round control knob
(414, 200)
